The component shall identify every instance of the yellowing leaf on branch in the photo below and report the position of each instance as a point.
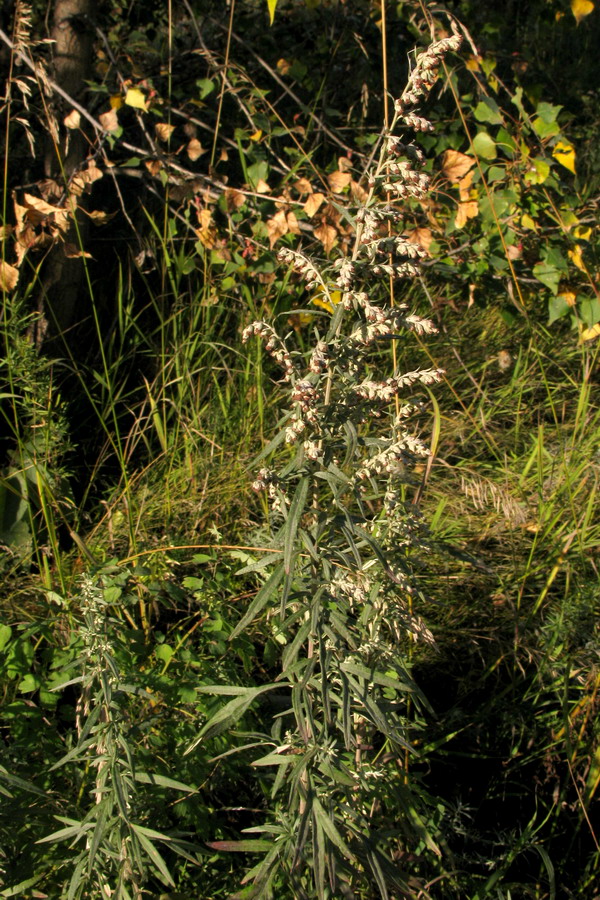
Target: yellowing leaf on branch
(588, 334)
(272, 5)
(576, 257)
(565, 154)
(9, 276)
(582, 233)
(72, 251)
(256, 136)
(581, 9)
(455, 165)
(569, 297)
(134, 97)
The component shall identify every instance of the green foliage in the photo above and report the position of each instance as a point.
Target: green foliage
(138, 666)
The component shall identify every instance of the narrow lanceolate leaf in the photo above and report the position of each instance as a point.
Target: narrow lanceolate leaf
(248, 846)
(163, 781)
(293, 520)
(154, 855)
(330, 830)
(229, 714)
(260, 601)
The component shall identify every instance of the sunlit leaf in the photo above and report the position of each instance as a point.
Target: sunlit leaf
(134, 97)
(277, 226)
(576, 257)
(484, 145)
(338, 181)
(272, 5)
(9, 276)
(72, 120)
(589, 334)
(313, 203)
(565, 154)
(164, 130)
(581, 9)
(455, 165)
(582, 233)
(326, 301)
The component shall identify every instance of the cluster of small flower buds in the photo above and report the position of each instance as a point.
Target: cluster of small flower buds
(387, 390)
(265, 478)
(354, 589)
(312, 450)
(393, 458)
(303, 266)
(404, 270)
(346, 275)
(371, 221)
(319, 358)
(293, 431)
(275, 346)
(425, 72)
(269, 480)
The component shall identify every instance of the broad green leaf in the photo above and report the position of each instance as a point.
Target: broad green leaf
(487, 110)
(484, 145)
(5, 635)
(557, 308)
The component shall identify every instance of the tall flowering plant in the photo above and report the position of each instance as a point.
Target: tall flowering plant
(341, 594)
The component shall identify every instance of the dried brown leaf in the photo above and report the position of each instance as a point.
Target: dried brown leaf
(455, 165)
(73, 120)
(327, 234)
(277, 226)
(164, 130)
(234, 199)
(194, 149)
(9, 275)
(109, 120)
(338, 181)
(72, 251)
(313, 204)
(303, 186)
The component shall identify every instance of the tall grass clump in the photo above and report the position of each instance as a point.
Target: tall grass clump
(341, 598)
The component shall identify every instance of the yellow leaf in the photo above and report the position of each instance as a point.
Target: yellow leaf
(588, 334)
(455, 165)
(473, 63)
(576, 257)
(272, 4)
(582, 233)
(326, 300)
(134, 97)
(528, 222)
(565, 154)
(569, 297)
(581, 9)
(73, 120)
(292, 223)
(8, 276)
(262, 187)
(257, 135)
(283, 66)
(116, 101)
